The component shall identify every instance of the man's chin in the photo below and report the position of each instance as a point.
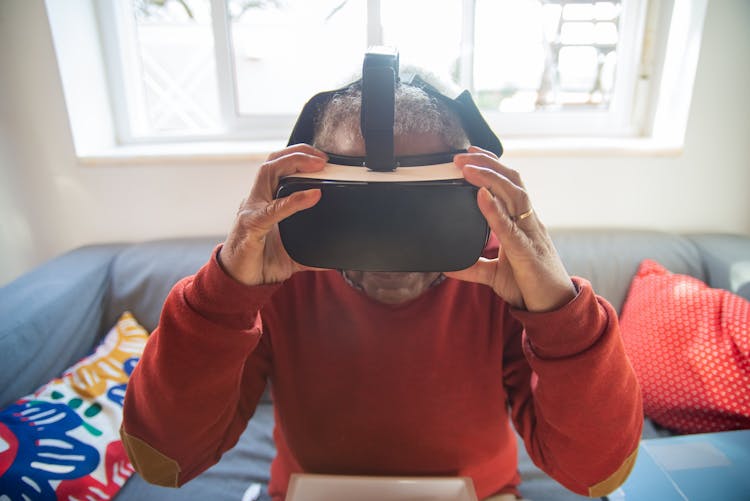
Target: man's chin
(393, 288)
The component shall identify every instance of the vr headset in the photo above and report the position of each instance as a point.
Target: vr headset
(383, 212)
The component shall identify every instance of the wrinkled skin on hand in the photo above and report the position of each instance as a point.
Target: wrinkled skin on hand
(528, 273)
(253, 253)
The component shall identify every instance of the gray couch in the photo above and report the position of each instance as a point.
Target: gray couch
(54, 315)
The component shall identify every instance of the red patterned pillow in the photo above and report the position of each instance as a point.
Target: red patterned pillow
(690, 348)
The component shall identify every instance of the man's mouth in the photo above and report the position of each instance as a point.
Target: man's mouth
(390, 278)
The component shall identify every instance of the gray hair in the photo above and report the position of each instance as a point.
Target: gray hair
(415, 112)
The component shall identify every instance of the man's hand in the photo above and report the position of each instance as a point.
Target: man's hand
(253, 253)
(528, 272)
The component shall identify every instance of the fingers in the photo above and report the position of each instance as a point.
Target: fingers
(297, 148)
(291, 161)
(483, 158)
(263, 218)
(482, 168)
(477, 149)
(510, 197)
(496, 213)
(502, 202)
(260, 212)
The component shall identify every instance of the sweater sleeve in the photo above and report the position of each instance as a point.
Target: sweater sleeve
(200, 378)
(573, 394)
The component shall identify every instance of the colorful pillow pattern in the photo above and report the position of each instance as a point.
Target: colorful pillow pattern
(63, 442)
(690, 347)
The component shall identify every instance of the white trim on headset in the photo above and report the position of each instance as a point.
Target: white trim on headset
(336, 172)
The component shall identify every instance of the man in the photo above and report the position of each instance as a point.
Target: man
(388, 373)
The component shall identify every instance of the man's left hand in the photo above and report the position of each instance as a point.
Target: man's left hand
(528, 273)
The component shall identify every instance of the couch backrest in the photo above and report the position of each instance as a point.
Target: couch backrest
(610, 258)
(726, 259)
(142, 275)
(53, 315)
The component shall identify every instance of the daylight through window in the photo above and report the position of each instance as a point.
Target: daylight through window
(195, 68)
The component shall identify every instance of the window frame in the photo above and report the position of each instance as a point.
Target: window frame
(82, 43)
(116, 18)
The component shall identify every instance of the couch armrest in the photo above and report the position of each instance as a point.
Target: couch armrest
(726, 259)
(52, 317)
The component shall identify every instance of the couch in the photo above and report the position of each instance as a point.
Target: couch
(54, 315)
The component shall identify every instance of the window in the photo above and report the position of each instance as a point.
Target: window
(244, 68)
(229, 76)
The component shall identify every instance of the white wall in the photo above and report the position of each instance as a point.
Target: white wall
(49, 203)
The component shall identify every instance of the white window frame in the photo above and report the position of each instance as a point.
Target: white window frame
(659, 123)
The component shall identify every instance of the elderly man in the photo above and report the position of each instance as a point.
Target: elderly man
(378, 373)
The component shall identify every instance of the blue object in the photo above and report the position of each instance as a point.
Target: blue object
(700, 467)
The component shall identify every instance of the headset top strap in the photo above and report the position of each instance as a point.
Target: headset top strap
(379, 77)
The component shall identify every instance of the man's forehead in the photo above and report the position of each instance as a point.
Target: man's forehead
(412, 143)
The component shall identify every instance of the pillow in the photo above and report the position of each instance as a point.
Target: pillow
(63, 441)
(690, 347)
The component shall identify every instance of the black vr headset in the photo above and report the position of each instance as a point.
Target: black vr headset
(382, 212)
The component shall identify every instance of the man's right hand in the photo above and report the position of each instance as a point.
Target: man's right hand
(253, 253)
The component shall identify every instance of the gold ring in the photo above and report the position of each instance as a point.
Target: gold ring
(523, 216)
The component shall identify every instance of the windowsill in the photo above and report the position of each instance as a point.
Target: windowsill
(184, 152)
(257, 151)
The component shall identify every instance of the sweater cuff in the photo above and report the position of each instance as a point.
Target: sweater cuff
(569, 330)
(222, 299)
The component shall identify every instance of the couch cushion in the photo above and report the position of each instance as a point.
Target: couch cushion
(610, 258)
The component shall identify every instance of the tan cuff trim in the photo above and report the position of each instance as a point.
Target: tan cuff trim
(153, 466)
(616, 479)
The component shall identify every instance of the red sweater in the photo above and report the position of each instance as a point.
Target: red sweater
(359, 387)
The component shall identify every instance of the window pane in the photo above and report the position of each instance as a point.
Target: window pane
(509, 54)
(578, 68)
(577, 33)
(606, 11)
(287, 50)
(605, 33)
(578, 11)
(177, 80)
(545, 54)
(434, 43)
